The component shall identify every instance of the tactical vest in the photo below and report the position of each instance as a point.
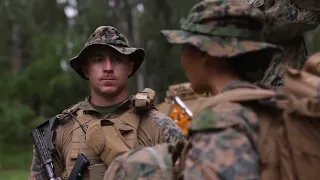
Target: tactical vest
(101, 140)
(289, 121)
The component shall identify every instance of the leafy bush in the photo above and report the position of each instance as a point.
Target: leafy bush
(17, 120)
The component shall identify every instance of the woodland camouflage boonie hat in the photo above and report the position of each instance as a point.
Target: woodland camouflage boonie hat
(221, 28)
(111, 37)
(286, 19)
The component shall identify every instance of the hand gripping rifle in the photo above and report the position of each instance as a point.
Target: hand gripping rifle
(43, 139)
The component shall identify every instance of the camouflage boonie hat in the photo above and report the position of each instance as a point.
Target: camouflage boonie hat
(111, 37)
(286, 19)
(222, 28)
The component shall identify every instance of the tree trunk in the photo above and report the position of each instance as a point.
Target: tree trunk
(15, 48)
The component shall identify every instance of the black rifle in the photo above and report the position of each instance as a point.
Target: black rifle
(81, 164)
(43, 139)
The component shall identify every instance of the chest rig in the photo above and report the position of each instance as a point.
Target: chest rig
(100, 140)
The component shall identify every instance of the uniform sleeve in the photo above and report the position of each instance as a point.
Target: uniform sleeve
(227, 148)
(171, 131)
(145, 163)
(36, 171)
(63, 139)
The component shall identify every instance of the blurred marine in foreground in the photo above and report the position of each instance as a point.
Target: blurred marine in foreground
(245, 130)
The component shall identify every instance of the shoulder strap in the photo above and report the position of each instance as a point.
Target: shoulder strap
(235, 95)
(68, 112)
(144, 99)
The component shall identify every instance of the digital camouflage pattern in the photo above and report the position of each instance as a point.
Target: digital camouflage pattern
(147, 163)
(286, 21)
(111, 37)
(172, 132)
(37, 172)
(287, 129)
(227, 148)
(294, 55)
(204, 29)
(226, 152)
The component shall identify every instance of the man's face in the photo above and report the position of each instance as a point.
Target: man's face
(107, 70)
(191, 60)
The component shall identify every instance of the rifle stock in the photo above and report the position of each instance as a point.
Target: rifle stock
(44, 147)
(43, 139)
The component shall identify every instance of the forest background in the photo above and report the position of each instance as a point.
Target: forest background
(38, 38)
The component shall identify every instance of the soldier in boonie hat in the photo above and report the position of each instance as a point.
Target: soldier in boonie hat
(109, 121)
(220, 30)
(222, 52)
(110, 37)
(224, 32)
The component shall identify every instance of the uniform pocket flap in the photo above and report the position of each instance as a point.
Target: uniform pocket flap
(124, 128)
(127, 133)
(95, 137)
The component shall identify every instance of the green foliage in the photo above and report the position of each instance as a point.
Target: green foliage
(36, 36)
(13, 157)
(14, 174)
(17, 120)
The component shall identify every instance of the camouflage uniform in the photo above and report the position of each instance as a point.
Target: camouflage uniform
(286, 22)
(111, 37)
(146, 163)
(228, 150)
(222, 140)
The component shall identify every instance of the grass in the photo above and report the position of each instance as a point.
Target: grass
(14, 174)
(15, 162)
(15, 159)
